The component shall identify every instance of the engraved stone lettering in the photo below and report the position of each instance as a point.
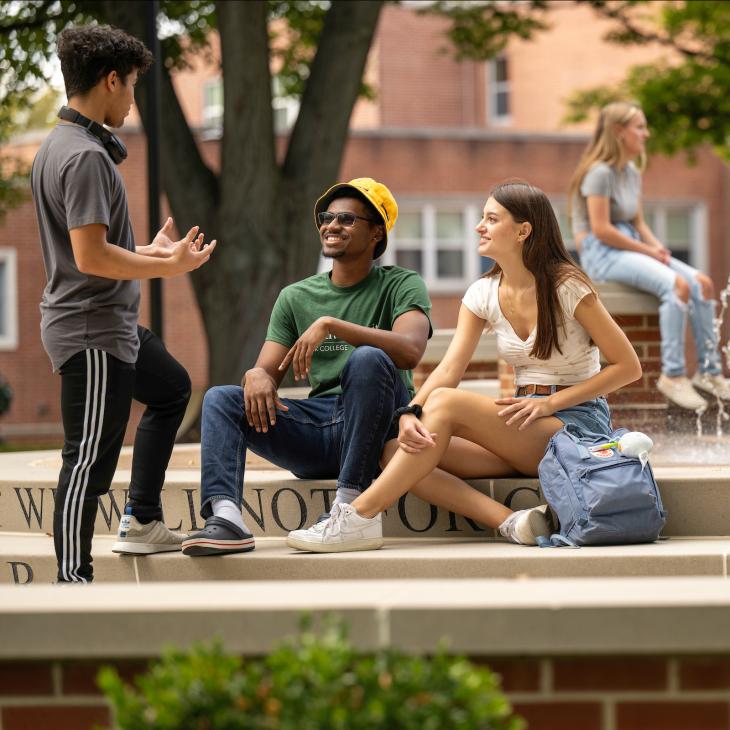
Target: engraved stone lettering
(453, 528)
(508, 499)
(258, 518)
(33, 508)
(21, 570)
(275, 509)
(191, 507)
(326, 498)
(404, 517)
(114, 514)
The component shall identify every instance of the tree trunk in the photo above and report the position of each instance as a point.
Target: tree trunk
(261, 214)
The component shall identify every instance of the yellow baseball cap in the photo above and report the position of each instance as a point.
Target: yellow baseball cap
(377, 193)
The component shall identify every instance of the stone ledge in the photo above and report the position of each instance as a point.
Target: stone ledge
(403, 558)
(490, 617)
(696, 499)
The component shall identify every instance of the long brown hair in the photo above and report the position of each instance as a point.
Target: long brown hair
(544, 256)
(604, 146)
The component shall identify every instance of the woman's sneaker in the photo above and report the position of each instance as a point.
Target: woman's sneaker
(136, 538)
(344, 531)
(715, 385)
(526, 525)
(681, 392)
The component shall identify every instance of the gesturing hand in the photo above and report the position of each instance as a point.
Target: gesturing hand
(162, 243)
(189, 253)
(413, 436)
(300, 355)
(524, 410)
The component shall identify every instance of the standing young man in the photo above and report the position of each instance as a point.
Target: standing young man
(355, 333)
(90, 305)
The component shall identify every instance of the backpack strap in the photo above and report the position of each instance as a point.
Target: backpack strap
(582, 450)
(556, 540)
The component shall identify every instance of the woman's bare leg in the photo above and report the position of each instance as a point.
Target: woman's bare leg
(450, 412)
(443, 487)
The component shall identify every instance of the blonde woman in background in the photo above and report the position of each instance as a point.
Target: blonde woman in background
(616, 244)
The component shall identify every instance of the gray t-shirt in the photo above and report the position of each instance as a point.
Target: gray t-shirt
(75, 183)
(623, 189)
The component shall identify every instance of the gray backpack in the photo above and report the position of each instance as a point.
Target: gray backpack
(600, 498)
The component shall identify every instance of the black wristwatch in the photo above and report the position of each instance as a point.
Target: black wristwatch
(415, 409)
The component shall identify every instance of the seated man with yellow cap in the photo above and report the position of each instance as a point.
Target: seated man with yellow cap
(355, 332)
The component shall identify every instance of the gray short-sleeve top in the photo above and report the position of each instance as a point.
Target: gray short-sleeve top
(621, 187)
(75, 183)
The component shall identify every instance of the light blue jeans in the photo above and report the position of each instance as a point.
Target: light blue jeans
(605, 263)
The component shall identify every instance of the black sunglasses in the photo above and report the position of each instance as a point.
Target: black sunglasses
(344, 219)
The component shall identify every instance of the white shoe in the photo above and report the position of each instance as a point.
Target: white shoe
(134, 538)
(344, 531)
(681, 392)
(526, 525)
(716, 385)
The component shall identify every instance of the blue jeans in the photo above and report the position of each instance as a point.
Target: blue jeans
(605, 263)
(332, 437)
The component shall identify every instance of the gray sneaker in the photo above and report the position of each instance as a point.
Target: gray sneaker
(526, 525)
(134, 538)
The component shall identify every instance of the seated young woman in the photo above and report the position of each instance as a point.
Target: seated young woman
(551, 326)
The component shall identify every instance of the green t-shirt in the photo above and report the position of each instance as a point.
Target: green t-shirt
(377, 301)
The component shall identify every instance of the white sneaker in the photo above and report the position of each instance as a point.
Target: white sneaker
(681, 392)
(716, 385)
(526, 525)
(134, 538)
(344, 531)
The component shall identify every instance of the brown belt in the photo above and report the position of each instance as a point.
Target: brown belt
(535, 389)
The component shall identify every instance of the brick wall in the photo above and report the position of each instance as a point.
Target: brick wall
(595, 693)
(432, 166)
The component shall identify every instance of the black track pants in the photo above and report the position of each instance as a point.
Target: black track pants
(96, 395)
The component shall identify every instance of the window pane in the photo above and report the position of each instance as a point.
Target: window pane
(409, 226)
(650, 218)
(502, 98)
(450, 264)
(500, 69)
(410, 259)
(213, 93)
(449, 226)
(281, 118)
(678, 227)
(565, 231)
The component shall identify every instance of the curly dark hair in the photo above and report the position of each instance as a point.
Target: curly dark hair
(90, 52)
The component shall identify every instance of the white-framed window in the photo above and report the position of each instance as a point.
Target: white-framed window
(213, 103)
(8, 299)
(680, 225)
(285, 108)
(436, 238)
(499, 89)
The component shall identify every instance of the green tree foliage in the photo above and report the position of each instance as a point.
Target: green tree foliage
(258, 203)
(684, 95)
(312, 683)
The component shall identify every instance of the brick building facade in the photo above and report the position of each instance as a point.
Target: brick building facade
(440, 134)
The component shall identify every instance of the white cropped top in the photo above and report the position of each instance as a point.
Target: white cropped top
(579, 359)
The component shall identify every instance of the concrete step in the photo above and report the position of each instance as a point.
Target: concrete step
(697, 499)
(562, 617)
(27, 558)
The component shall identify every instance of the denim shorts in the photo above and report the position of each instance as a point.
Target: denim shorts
(591, 418)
